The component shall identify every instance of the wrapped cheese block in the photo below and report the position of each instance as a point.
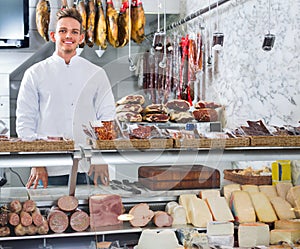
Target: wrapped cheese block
(282, 208)
(241, 207)
(209, 192)
(289, 236)
(220, 228)
(253, 234)
(219, 209)
(287, 224)
(263, 207)
(269, 190)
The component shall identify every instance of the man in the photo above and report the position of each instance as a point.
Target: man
(49, 93)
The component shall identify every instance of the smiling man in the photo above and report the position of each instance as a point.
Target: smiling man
(49, 94)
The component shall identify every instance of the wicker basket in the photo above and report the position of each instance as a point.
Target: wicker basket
(245, 179)
(36, 146)
(275, 141)
(127, 144)
(212, 142)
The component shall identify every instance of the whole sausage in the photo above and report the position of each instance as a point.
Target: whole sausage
(29, 206)
(37, 218)
(4, 231)
(25, 218)
(13, 219)
(15, 206)
(31, 230)
(79, 221)
(44, 228)
(67, 203)
(20, 230)
(58, 221)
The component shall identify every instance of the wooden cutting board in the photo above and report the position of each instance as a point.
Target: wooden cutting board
(178, 177)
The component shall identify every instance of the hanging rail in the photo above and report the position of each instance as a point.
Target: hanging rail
(193, 15)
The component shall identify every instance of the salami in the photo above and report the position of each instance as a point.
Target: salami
(15, 206)
(67, 203)
(29, 206)
(13, 219)
(79, 221)
(58, 220)
(4, 231)
(37, 218)
(25, 218)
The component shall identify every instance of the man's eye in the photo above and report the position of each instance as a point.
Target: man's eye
(75, 32)
(62, 31)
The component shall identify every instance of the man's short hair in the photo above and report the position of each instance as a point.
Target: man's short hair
(70, 12)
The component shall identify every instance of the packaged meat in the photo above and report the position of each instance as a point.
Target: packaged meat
(155, 108)
(178, 105)
(129, 108)
(131, 99)
(142, 215)
(156, 117)
(129, 117)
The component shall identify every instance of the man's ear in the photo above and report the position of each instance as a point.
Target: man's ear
(82, 37)
(52, 36)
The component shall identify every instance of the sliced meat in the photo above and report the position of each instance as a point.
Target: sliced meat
(58, 220)
(162, 219)
(29, 206)
(155, 108)
(79, 221)
(142, 215)
(104, 210)
(206, 115)
(67, 203)
(129, 108)
(25, 218)
(178, 105)
(131, 99)
(156, 117)
(129, 117)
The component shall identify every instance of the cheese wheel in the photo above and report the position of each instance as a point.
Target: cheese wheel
(253, 234)
(263, 207)
(241, 207)
(282, 208)
(219, 208)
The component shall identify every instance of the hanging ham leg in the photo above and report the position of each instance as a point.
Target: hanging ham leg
(112, 24)
(123, 24)
(42, 18)
(91, 15)
(138, 21)
(80, 6)
(64, 4)
(101, 30)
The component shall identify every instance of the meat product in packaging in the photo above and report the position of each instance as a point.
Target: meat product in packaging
(206, 115)
(129, 108)
(129, 117)
(155, 108)
(79, 220)
(156, 117)
(142, 215)
(162, 219)
(67, 203)
(168, 177)
(104, 210)
(58, 220)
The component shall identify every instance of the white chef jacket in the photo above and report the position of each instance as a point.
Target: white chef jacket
(56, 98)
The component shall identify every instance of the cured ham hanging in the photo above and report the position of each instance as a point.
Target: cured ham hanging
(124, 24)
(112, 24)
(43, 18)
(101, 29)
(91, 16)
(80, 6)
(138, 21)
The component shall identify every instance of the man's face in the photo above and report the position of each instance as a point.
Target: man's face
(67, 35)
